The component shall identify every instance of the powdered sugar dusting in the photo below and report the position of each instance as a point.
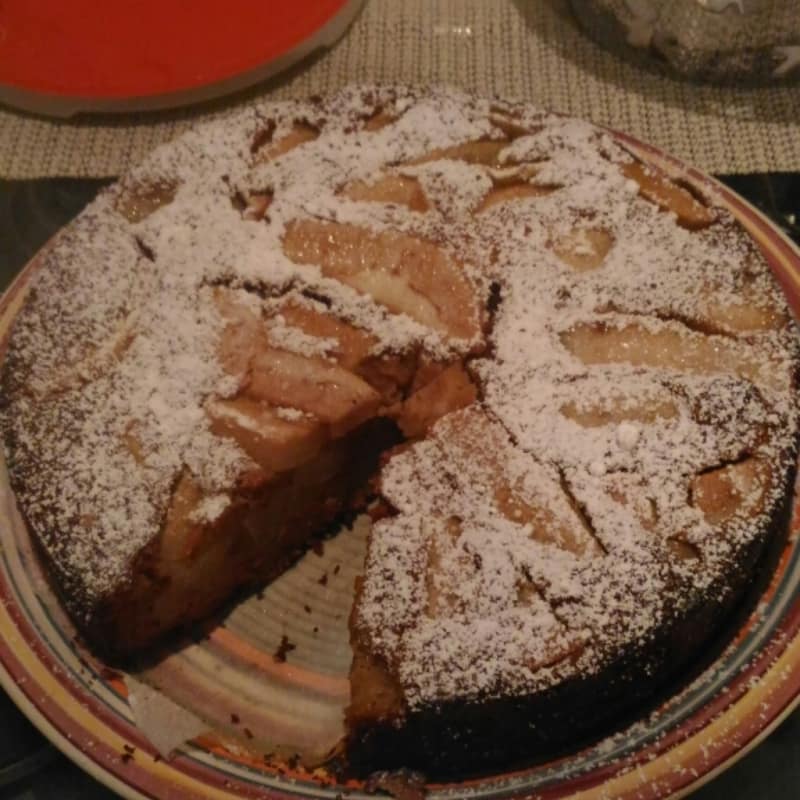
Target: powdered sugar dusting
(620, 437)
(296, 341)
(563, 519)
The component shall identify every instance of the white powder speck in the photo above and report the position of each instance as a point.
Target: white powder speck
(627, 435)
(598, 468)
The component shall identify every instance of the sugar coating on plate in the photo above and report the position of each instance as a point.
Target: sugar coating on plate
(636, 370)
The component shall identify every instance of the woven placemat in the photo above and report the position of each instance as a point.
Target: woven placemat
(528, 49)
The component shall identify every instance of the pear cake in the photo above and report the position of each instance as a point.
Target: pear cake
(563, 380)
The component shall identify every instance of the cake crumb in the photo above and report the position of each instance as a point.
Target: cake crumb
(284, 648)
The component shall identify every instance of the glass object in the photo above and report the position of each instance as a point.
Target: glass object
(720, 41)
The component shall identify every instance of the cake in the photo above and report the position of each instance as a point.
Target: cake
(563, 382)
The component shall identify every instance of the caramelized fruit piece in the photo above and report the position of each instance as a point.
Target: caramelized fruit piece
(380, 119)
(403, 273)
(190, 552)
(527, 593)
(656, 187)
(747, 312)
(300, 134)
(647, 513)
(254, 539)
(515, 174)
(399, 189)
(584, 248)
(510, 125)
(353, 344)
(256, 206)
(512, 192)
(682, 550)
(546, 527)
(139, 201)
(275, 443)
(332, 394)
(645, 411)
(389, 373)
(96, 361)
(447, 563)
(630, 493)
(244, 334)
(554, 515)
(181, 533)
(485, 152)
(398, 295)
(597, 343)
(450, 390)
(748, 315)
(738, 488)
(133, 443)
(443, 547)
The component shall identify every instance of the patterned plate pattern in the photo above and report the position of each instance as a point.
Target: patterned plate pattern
(270, 675)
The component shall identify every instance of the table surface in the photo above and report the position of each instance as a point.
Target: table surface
(31, 769)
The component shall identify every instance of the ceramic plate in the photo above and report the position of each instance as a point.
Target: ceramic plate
(273, 670)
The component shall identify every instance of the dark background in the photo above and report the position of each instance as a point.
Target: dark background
(31, 769)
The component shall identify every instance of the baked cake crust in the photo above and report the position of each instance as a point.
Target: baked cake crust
(591, 369)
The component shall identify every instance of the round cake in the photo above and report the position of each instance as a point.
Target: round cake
(563, 381)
